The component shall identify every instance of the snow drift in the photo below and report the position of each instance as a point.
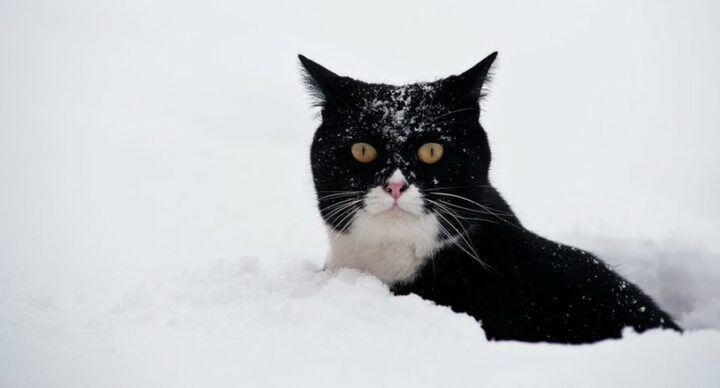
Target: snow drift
(247, 322)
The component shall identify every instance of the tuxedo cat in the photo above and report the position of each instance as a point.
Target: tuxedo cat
(401, 174)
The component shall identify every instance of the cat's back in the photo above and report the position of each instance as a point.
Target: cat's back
(534, 289)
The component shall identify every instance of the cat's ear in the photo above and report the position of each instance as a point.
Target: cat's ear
(472, 82)
(322, 83)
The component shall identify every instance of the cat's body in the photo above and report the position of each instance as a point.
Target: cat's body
(535, 289)
(401, 175)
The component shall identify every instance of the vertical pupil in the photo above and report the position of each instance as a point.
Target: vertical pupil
(363, 150)
(432, 151)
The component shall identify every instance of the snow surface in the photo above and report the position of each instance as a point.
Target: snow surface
(246, 323)
(157, 224)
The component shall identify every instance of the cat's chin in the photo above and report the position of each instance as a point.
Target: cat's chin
(396, 213)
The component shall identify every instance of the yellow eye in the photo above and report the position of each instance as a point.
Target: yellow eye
(430, 152)
(363, 152)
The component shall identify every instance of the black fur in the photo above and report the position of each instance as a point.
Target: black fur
(523, 287)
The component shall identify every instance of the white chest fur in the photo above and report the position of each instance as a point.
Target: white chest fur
(390, 246)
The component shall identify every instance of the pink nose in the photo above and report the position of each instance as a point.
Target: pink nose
(395, 189)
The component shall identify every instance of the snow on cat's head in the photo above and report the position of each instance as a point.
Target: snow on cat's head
(381, 149)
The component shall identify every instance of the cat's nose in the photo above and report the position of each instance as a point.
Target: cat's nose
(396, 189)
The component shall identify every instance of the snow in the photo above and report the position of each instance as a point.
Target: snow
(157, 223)
(248, 322)
(394, 105)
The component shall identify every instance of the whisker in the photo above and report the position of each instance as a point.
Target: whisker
(455, 241)
(468, 218)
(452, 112)
(465, 208)
(476, 256)
(338, 213)
(480, 205)
(336, 195)
(359, 236)
(488, 210)
(338, 204)
(461, 234)
(332, 216)
(338, 191)
(351, 215)
(456, 187)
(343, 206)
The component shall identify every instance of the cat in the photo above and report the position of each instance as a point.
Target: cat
(401, 175)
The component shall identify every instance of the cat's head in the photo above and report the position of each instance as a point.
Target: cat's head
(383, 150)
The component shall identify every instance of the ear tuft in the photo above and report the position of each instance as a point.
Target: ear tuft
(478, 76)
(320, 82)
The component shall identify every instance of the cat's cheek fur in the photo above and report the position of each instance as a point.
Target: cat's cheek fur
(411, 201)
(377, 201)
(393, 249)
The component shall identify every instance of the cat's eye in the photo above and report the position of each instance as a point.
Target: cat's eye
(430, 152)
(363, 152)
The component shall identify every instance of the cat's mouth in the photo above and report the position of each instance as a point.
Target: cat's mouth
(379, 202)
(396, 211)
(396, 198)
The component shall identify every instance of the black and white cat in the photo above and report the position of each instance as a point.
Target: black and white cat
(401, 174)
